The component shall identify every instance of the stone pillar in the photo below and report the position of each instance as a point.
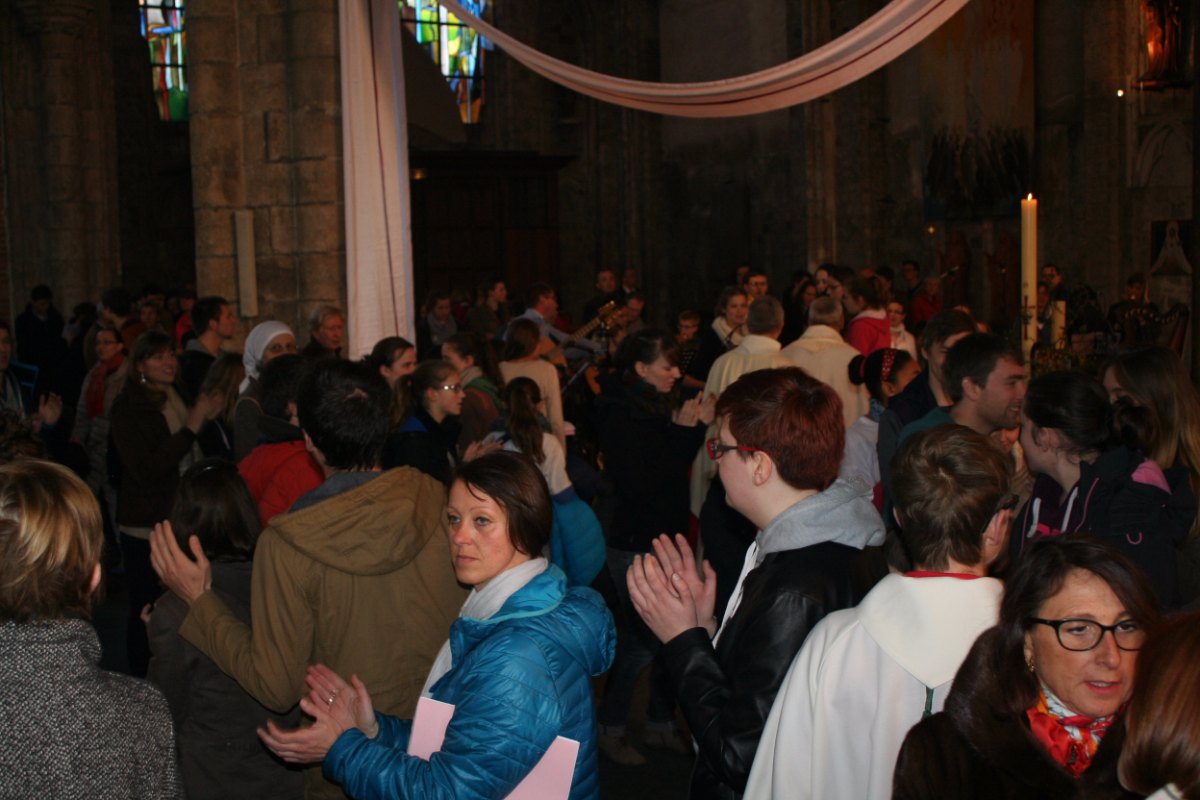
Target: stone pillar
(74, 158)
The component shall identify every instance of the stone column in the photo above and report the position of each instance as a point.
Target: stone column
(79, 249)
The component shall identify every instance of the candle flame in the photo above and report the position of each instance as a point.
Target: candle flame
(1029, 196)
(1120, 92)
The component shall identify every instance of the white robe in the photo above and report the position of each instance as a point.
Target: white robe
(859, 684)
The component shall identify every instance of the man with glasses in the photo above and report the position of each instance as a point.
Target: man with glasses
(890, 660)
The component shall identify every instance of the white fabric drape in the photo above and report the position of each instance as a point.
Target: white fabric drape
(893, 30)
(375, 163)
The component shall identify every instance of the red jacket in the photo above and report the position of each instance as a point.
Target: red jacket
(868, 333)
(277, 475)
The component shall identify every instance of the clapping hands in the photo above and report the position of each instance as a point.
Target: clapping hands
(669, 593)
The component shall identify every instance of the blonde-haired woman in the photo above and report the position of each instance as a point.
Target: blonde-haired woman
(70, 728)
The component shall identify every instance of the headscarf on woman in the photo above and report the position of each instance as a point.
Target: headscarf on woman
(256, 345)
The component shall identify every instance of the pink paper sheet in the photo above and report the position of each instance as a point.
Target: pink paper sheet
(550, 779)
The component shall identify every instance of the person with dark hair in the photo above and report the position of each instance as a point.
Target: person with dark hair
(1035, 710)
(215, 720)
(280, 470)
(725, 333)
(542, 309)
(648, 439)
(184, 332)
(985, 380)
(778, 451)
(523, 349)
(885, 373)
(925, 392)
(1087, 486)
(516, 668)
(577, 545)
(437, 326)
(71, 729)
(428, 437)
(901, 338)
(905, 640)
(116, 309)
(472, 356)
(356, 575)
(868, 329)
(1157, 409)
(39, 331)
(154, 439)
(606, 292)
(395, 358)
(757, 284)
(214, 324)
(490, 314)
(1161, 756)
(926, 303)
(100, 389)
(20, 399)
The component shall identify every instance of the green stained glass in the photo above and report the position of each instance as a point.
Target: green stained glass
(457, 49)
(163, 27)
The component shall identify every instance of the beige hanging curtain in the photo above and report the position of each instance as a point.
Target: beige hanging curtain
(893, 30)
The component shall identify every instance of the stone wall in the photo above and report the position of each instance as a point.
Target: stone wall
(265, 137)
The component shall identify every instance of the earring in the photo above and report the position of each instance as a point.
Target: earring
(142, 377)
(1029, 664)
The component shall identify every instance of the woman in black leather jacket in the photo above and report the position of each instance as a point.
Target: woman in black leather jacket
(778, 451)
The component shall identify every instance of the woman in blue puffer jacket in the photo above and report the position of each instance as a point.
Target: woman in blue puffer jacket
(517, 665)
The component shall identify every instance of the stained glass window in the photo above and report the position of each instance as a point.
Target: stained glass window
(162, 25)
(455, 48)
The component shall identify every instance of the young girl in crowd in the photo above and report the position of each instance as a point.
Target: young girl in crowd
(577, 545)
(472, 357)
(1158, 410)
(1085, 485)
(428, 437)
(215, 720)
(395, 358)
(522, 359)
(885, 373)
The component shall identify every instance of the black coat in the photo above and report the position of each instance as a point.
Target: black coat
(149, 456)
(425, 444)
(975, 748)
(646, 457)
(726, 693)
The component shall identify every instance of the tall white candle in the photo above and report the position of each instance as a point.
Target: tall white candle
(1029, 271)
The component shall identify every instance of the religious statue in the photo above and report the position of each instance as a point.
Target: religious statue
(1165, 44)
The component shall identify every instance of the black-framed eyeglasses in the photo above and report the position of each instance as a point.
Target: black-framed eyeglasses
(1080, 635)
(715, 449)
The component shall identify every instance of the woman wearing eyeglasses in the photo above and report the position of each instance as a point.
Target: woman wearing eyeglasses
(778, 449)
(1035, 710)
(1086, 485)
(428, 437)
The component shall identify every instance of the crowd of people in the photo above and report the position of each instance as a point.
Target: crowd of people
(852, 560)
